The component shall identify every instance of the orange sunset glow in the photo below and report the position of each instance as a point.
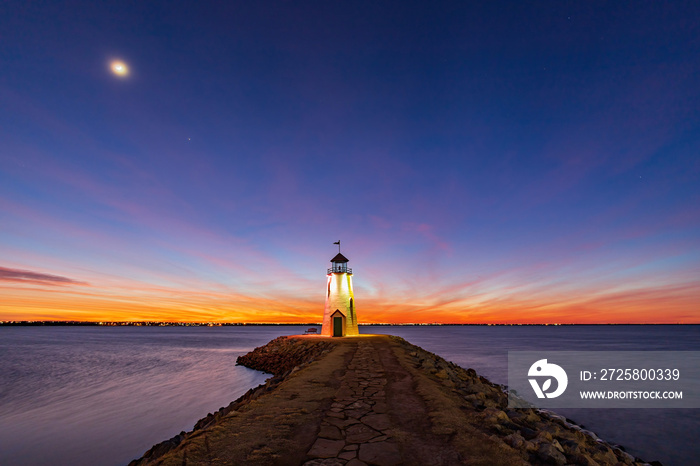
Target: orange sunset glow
(82, 301)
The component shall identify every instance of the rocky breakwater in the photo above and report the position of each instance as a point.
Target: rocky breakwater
(377, 400)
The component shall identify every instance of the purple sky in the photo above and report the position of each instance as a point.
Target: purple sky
(479, 161)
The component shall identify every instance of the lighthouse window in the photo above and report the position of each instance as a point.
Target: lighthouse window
(329, 287)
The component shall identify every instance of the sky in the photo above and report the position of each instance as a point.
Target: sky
(480, 162)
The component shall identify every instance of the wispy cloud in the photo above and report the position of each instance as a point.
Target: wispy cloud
(27, 276)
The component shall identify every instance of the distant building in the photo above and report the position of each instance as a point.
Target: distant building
(339, 317)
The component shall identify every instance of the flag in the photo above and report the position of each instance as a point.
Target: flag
(337, 242)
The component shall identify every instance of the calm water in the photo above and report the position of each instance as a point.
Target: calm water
(103, 396)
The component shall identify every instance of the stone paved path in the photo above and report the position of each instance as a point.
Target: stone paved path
(357, 430)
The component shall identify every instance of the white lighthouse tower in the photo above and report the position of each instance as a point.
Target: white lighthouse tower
(339, 318)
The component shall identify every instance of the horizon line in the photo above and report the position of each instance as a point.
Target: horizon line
(221, 324)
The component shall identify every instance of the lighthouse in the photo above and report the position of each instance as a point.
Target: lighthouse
(339, 318)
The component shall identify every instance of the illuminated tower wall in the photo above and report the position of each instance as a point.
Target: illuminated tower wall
(340, 297)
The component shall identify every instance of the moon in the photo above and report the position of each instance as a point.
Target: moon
(119, 68)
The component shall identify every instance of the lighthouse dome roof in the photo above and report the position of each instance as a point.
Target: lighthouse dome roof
(340, 258)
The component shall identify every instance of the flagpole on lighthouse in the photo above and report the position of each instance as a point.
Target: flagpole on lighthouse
(338, 243)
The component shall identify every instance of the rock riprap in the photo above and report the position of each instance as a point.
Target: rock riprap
(283, 354)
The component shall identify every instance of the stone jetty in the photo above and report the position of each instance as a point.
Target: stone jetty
(376, 400)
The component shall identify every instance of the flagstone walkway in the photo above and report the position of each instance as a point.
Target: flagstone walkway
(357, 430)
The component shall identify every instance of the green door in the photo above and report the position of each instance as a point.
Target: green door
(337, 326)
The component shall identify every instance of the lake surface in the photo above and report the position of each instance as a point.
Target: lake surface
(104, 395)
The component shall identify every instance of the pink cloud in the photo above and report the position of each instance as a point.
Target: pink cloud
(28, 276)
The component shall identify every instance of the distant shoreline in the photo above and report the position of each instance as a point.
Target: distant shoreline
(67, 323)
